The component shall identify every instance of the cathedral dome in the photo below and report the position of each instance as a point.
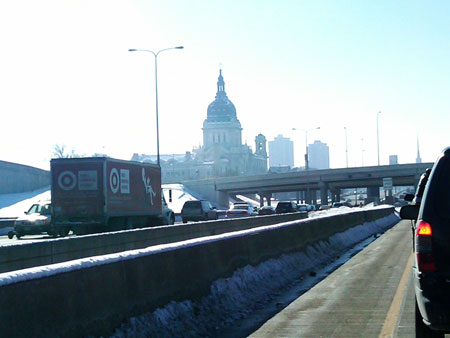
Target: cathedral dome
(221, 109)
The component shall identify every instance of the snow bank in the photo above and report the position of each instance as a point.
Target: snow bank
(249, 288)
(13, 205)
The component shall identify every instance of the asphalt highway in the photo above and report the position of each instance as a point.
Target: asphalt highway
(371, 295)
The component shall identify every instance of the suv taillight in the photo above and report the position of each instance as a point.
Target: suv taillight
(424, 252)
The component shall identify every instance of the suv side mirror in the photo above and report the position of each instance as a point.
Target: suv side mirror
(409, 211)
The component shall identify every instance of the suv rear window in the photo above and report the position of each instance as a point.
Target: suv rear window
(284, 206)
(192, 205)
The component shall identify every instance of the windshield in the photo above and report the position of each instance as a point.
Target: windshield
(43, 209)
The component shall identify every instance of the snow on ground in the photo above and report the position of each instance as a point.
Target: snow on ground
(180, 194)
(249, 289)
(13, 205)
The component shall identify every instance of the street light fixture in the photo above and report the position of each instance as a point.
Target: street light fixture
(156, 90)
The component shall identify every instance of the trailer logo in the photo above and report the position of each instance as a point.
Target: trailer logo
(148, 186)
(67, 180)
(121, 181)
(114, 180)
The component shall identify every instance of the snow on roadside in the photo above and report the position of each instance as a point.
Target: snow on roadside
(234, 298)
(13, 205)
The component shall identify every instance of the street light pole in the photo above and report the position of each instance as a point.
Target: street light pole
(307, 197)
(156, 91)
(306, 144)
(346, 147)
(378, 139)
(362, 152)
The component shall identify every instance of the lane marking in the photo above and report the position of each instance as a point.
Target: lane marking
(394, 311)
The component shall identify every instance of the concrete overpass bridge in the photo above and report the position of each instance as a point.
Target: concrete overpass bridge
(325, 183)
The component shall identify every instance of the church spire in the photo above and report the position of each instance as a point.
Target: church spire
(220, 86)
(418, 159)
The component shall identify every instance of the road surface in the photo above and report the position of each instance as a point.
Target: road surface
(371, 295)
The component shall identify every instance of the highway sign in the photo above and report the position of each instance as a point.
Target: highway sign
(387, 183)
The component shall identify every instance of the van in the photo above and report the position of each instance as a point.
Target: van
(200, 210)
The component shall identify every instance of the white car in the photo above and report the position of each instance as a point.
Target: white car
(241, 210)
(37, 220)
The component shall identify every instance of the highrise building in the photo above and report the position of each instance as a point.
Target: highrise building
(393, 159)
(281, 152)
(318, 155)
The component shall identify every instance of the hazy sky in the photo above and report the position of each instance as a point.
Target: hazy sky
(66, 76)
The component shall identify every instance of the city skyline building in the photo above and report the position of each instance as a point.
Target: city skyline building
(318, 155)
(281, 152)
(393, 159)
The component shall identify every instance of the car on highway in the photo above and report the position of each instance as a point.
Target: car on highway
(417, 197)
(307, 207)
(199, 210)
(286, 207)
(266, 210)
(431, 234)
(242, 209)
(35, 221)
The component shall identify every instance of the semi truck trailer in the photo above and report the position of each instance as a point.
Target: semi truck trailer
(98, 194)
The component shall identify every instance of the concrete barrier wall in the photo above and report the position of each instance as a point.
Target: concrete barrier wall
(25, 255)
(15, 178)
(96, 299)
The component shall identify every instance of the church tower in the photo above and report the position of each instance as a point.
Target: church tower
(260, 146)
(221, 127)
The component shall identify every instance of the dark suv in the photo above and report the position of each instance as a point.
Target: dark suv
(198, 211)
(431, 267)
(286, 206)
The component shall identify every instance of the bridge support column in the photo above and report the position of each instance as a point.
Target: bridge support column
(335, 194)
(373, 194)
(314, 197)
(323, 193)
(265, 195)
(223, 198)
(269, 198)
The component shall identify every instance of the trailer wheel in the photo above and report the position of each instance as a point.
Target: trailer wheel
(172, 219)
(10, 234)
(64, 232)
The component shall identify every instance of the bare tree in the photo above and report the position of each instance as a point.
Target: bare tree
(61, 151)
